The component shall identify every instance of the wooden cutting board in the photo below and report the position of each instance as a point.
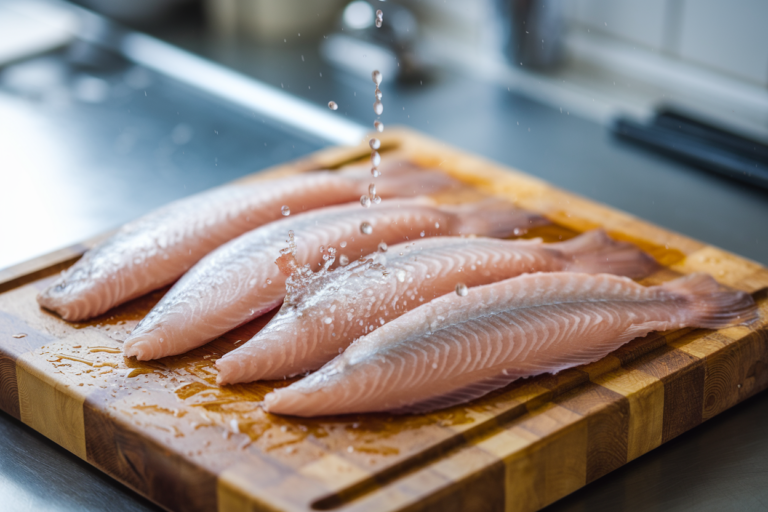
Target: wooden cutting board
(164, 429)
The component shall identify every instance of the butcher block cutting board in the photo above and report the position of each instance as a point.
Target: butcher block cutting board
(167, 431)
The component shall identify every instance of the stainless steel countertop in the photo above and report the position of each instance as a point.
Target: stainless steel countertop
(94, 178)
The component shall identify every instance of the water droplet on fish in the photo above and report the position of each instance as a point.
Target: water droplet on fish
(350, 449)
(374, 143)
(400, 275)
(461, 290)
(378, 94)
(520, 231)
(285, 210)
(20, 335)
(343, 244)
(375, 158)
(376, 75)
(383, 247)
(378, 126)
(375, 172)
(327, 320)
(365, 201)
(343, 260)
(322, 248)
(332, 105)
(422, 234)
(505, 372)
(437, 225)
(434, 366)
(378, 107)
(366, 228)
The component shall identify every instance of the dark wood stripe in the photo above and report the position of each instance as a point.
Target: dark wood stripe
(607, 415)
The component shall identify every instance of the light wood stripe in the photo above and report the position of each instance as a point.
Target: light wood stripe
(53, 408)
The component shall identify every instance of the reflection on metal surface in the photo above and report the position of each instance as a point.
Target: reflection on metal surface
(240, 89)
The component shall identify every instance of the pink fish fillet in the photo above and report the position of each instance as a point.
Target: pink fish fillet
(157, 249)
(456, 349)
(239, 281)
(330, 310)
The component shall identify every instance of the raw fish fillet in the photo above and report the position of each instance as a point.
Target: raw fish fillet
(239, 281)
(158, 248)
(456, 349)
(330, 310)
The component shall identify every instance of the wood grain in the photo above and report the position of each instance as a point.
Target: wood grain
(166, 430)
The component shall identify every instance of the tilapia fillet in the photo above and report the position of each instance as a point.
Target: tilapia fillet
(239, 281)
(158, 248)
(455, 349)
(332, 309)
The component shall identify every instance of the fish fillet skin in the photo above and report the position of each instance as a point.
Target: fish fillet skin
(332, 309)
(456, 349)
(158, 248)
(239, 281)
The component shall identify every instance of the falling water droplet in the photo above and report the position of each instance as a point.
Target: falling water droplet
(379, 126)
(343, 260)
(376, 199)
(375, 172)
(376, 75)
(285, 210)
(372, 189)
(378, 107)
(374, 143)
(332, 105)
(365, 201)
(379, 22)
(375, 158)
(378, 94)
(461, 290)
(383, 247)
(366, 228)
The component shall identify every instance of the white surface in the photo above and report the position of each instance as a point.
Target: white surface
(29, 27)
(729, 36)
(637, 21)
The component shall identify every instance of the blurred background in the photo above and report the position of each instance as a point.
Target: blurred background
(111, 108)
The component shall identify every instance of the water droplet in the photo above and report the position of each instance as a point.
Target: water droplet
(374, 143)
(343, 260)
(376, 75)
(461, 290)
(520, 231)
(327, 320)
(375, 158)
(285, 210)
(375, 172)
(366, 228)
(400, 275)
(343, 244)
(437, 225)
(379, 22)
(422, 234)
(378, 107)
(365, 201)
(434, 366)
(383, 247)
(269, 281)
(379, 126)
(376, 199)
(378, 94)
(332, 105)
(322, 248)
